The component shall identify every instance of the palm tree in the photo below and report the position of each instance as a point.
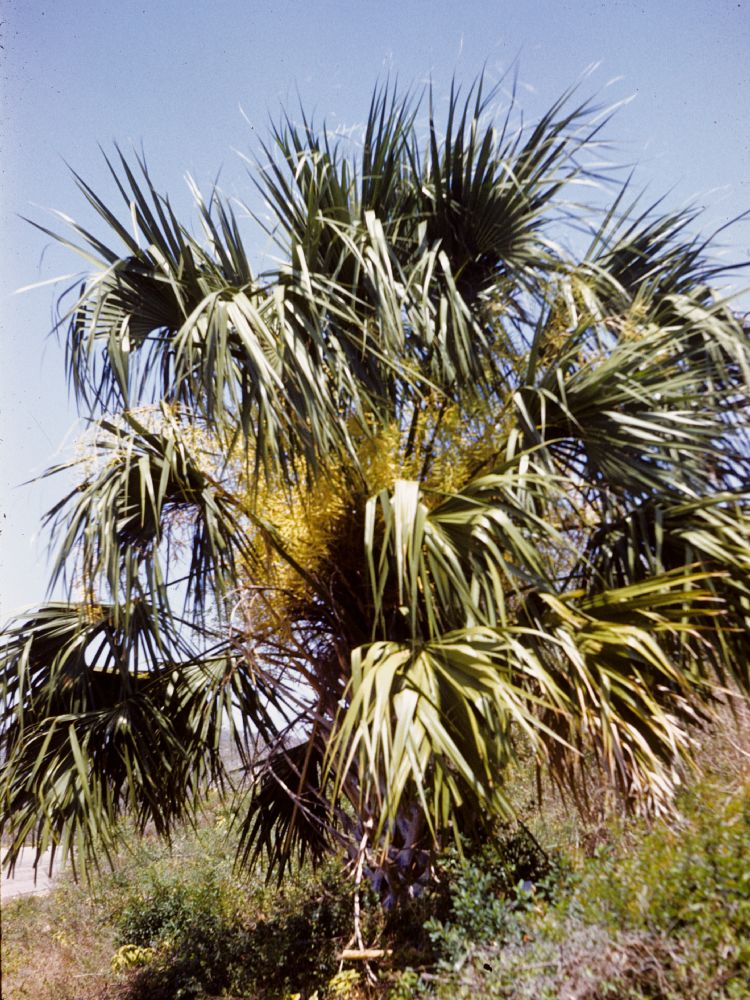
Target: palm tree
(463, 475)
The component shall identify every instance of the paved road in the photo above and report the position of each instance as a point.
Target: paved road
(23, 882)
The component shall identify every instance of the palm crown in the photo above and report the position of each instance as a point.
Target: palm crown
(430, 488)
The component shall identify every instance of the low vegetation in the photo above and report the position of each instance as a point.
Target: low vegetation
(556, 907)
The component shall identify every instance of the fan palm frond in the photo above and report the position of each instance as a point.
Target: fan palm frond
(287, 815)
(104, 712)
(149, 490)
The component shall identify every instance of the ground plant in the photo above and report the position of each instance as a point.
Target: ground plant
(659, 909)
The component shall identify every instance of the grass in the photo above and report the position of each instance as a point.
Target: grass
(56, 946)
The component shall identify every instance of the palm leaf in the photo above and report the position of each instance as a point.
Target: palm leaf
(105, 712)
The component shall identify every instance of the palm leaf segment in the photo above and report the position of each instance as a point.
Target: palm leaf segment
(432, 485)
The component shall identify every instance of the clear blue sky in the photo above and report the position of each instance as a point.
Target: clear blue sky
(174, 76)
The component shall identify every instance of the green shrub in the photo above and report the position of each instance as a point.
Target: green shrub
(489, 890)
(407, 984)
(660, 912)
(194, 928)
(209, 937)
(171, 911)
(688, 882)
(298, 942)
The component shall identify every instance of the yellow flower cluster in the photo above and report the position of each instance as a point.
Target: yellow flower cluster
(311, 518)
